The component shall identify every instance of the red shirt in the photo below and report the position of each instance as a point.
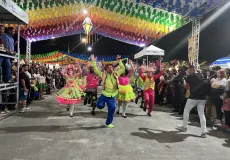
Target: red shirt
(161, 85)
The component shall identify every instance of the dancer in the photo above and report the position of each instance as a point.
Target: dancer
(109, 88)
(199, 89)
(140, 94)
(92, 81)
(125, 92)
(71, 93)
(149, 87)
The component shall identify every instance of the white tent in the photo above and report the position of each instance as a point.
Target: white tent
(222, 62)
(151, 50)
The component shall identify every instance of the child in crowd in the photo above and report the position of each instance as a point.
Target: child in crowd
(226, 108)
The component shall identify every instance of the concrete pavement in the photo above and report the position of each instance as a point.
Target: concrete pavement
(46, 132)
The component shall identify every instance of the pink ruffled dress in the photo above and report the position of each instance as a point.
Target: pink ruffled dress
(125, 92)
(71, 93)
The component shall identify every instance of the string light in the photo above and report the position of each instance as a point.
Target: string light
(83, 40)
(89, 48)
(85, 11)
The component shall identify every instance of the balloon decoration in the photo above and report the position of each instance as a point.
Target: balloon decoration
(121, 20)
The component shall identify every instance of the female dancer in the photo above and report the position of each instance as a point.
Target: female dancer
(149, 87)
(71, 93)
(125, 92)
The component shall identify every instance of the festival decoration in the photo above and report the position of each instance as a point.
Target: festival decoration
(84, 58)
(134, 24)
(123, 20)
(192, 50)
(87, 25)
(63, 57)
(194, 8)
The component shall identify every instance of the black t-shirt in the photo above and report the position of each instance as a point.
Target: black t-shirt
(48, 80)
(197, 87)
(23, 75)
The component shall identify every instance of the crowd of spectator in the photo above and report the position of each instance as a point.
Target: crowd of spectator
(171, 87)
(34, 80)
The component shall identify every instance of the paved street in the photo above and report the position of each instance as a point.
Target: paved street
(46, 132)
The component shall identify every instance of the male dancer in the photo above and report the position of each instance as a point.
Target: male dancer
(109, 88)
(149, 87)
(92, 81)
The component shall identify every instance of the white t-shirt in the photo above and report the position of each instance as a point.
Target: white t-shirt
(28, 73)
(221, 82)
(41, 79)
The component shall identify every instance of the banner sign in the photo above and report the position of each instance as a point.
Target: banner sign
(192, 49)
(14, 9)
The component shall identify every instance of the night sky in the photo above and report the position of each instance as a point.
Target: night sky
(104, 46)
(214, 42)
(214, 39)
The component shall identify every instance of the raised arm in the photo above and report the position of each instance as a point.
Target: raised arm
(141, 74)
(122, 68)
(130, 74)
(158, 75)
(96, 70)
(79, 71)
(64, 73)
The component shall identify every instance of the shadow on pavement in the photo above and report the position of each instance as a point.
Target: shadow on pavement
(162, 136)
(35, 114)
(49, 128)
(221, 135)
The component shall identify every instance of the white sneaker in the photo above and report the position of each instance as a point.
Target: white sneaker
(22, 110)
(181, 128)
(203, 135)
(3, 112)
(27, 108)
(6, 111)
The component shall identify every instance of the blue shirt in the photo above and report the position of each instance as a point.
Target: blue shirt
(10, 43)
(5, 40)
